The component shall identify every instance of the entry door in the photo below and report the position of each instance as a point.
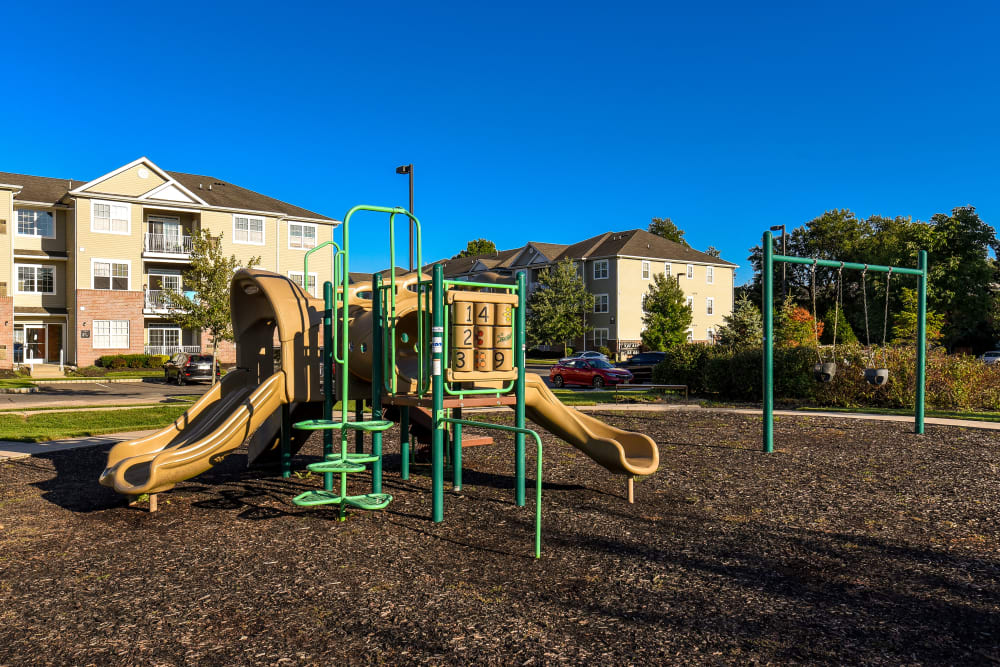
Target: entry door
(34, 343)
(55, 343)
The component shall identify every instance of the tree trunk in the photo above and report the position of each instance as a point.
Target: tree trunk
(215, 357)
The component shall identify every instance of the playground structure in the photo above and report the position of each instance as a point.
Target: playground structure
(413, 345)
(825, 370)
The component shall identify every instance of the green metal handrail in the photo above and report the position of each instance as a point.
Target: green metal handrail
(538, 475)
(338, 260)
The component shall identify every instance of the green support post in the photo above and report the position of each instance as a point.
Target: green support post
(359, 415)
(918, 411)
(456, 458)
(767, 309)
(404, 442)
(437, 395)
(377, 335)
(328, 325)
(519, 349)
(286, 441)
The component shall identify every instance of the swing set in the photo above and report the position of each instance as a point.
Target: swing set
(824, 371)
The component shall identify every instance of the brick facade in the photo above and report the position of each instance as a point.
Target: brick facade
(227, 350)
(6, 332)
(107, 305)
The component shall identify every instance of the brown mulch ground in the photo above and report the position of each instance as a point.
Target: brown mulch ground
(855, 542)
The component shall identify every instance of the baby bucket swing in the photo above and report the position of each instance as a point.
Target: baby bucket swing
(824, 371)
(873, 375)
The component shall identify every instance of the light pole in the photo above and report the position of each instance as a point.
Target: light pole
(408, 169)
(784, 251)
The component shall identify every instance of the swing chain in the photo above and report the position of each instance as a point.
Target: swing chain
(819, 355)
(864, 300)
(838, 297)
(885, 317)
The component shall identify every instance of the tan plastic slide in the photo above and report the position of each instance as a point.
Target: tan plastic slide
(268, 309)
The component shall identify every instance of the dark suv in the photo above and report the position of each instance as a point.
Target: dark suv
(641, 365)
(184, 367)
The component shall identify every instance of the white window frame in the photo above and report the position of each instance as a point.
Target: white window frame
(605, 269)
(17, 223)
(305, 284)
(598, 342)
(666, 269)
(645, 270)
(17, 281)
(159, 273)
(710, 332)
(101, 260)
(710, 275)
(250, 218)
(709, 305)
(690, 336)
(607, 303)
(689, 301)
(303, 225)
(111, 335)
(157, 327)
(94, 203)
(690, 271)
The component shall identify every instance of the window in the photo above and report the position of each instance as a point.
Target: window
(109, 274)
(301, 235)
(165, 336)
(600, 337)
(709, 306)
(690, 273)
(600, 269)
(35, 223)
(690, 336)
(36, 279)
(110, 217)
(709, 274)
(296, 277)
(600, 303)
(711, 336)
(689, 302)
(110, 334)
(645, 270)
(666, 269)
(248, 229)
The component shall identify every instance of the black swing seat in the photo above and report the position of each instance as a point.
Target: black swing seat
(876, 376)
(824, 372)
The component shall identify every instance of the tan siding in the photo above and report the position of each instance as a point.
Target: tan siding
(37, 243)
(6, 213)
(128, 183)
(57, 300)
(320, 263)
(100, 245)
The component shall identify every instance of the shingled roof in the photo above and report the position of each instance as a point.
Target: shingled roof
(637, 243)
(40, 188)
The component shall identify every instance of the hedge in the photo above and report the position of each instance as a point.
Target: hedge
(954, 382)
(116, 361)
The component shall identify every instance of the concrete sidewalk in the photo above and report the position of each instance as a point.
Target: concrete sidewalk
(19, 450)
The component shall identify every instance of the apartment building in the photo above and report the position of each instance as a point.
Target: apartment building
(85, 266)
(617, 268)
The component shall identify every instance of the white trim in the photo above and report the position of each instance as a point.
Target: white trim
(263, 229)
(37, 316)
(667, 269)
(607, 336)
(689, 301)
(111, 203)
(305, 284)
(17, 231)
(95, 346)
(709, 305)
(166, 186)
(159, 172)
(607, 304)
(126, 262)
(149, 326)
(710, 275)
(647, 273)
(607, 269)
(42, 258)
(720, 264)
(55, 276)
(689, 272)
(288, 232)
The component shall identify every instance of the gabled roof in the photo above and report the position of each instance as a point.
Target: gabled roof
(638, 243)
(40, 188)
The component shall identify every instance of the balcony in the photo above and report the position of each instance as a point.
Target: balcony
(171, 245)
(171, 350)
(157, 299)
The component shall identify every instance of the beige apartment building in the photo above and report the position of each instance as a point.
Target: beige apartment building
(85, 265)
(617, 268)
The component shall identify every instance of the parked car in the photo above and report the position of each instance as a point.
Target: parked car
(585, 355)
(641, 365)
(587, 372)
(184, 368)
(991, 357)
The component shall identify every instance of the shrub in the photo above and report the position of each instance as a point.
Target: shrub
(605, 350)
(90, 372)
(119, 361)
(157, 360)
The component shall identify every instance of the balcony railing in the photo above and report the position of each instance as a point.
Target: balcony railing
(169, 244)
(171, 350)
(157, 299)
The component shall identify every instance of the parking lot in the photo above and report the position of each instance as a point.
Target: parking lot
(97, 393)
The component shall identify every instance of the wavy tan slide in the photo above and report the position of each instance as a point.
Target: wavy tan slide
(214, 426)
(622, 452)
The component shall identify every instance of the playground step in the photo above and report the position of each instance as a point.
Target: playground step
(337, 465)
(369, 501)
(314, 498)
(362, 458)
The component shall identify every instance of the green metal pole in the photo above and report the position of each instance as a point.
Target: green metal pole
(767, 308)
(437, 396)
(377, 334)
(328, 378)
(286, 441)
(404, 442)
(519, 348)
(918, 409)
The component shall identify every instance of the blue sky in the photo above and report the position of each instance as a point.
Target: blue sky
(526, 121)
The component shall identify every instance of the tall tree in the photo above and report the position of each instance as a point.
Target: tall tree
(666, 228)
(904, 322)
(744, 328)
(477, 247)
(208, 277)
(713, 251)
(666, 316)
(796, 327)
(557, 307)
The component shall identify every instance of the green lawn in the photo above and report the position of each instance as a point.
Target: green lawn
(541, 362)
(570, 397)
(16, 383)
(55, 425)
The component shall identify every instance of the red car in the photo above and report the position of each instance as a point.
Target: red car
(588, 372)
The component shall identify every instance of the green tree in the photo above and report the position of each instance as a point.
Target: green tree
(744, 328)
(478, 247)
(795, 326)
(713, 251)
(666, 228)
(904, 323)
(845, 334)
(558, 306)
(208, 277)
(666, 316)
